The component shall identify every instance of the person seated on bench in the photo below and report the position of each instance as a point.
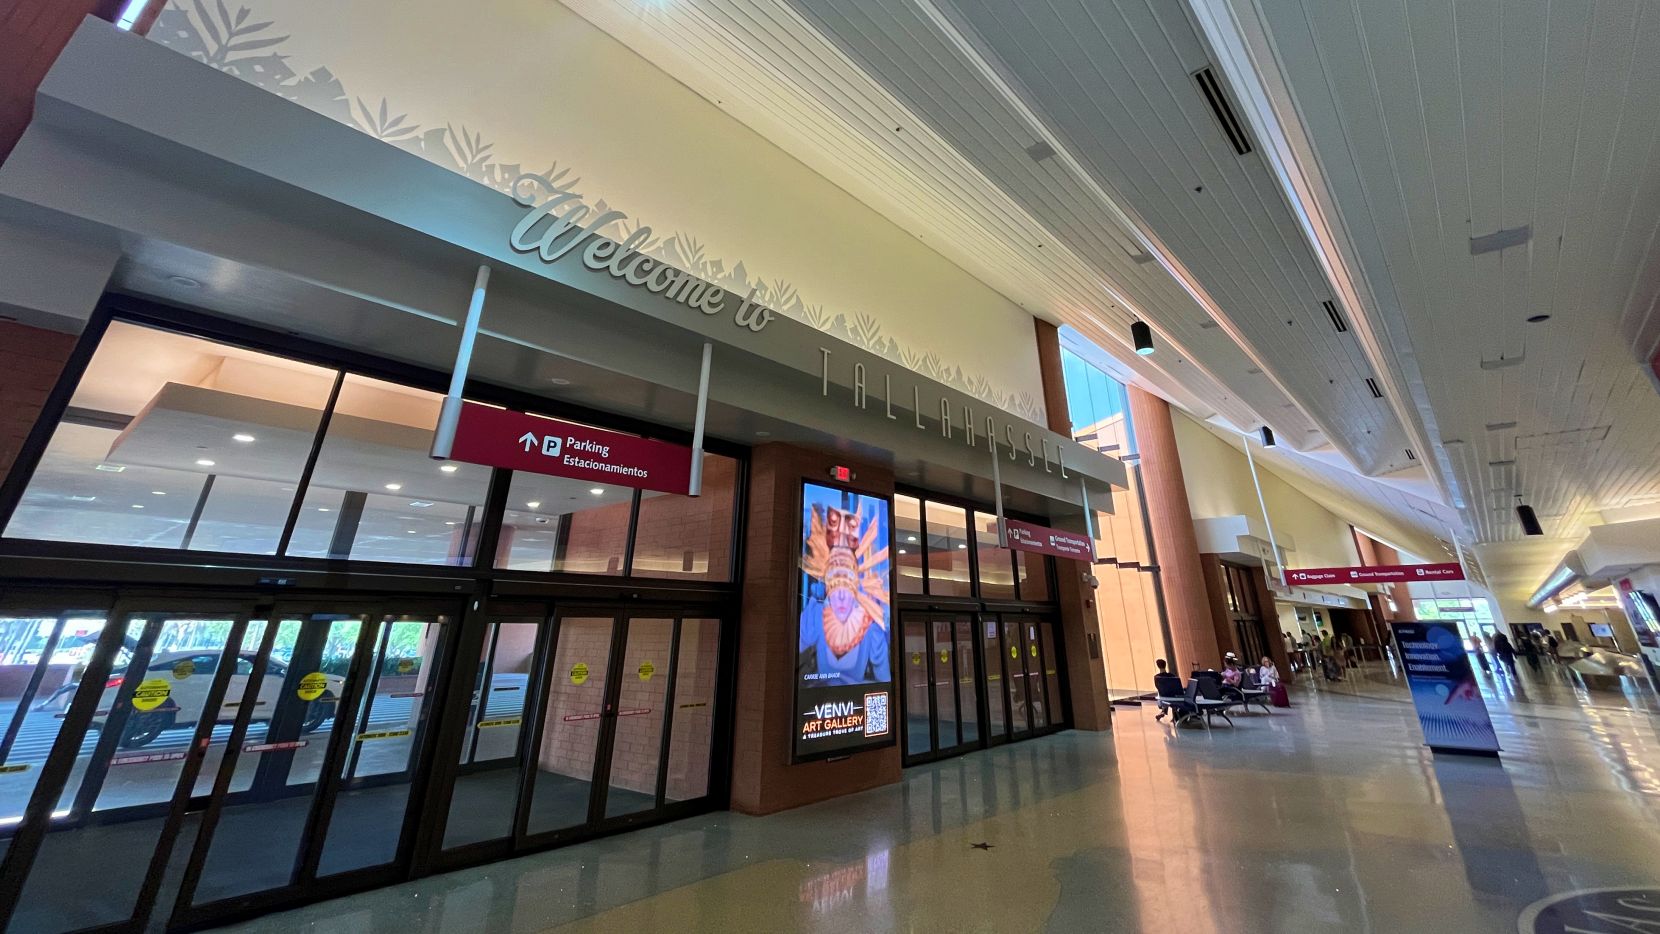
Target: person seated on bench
(1173, 699)
(1231, 674)
(1164, 672)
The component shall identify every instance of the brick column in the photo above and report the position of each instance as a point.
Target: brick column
(763, 780)
(1086, 676)
(32, 33)
(31, 360)
(1171, 519)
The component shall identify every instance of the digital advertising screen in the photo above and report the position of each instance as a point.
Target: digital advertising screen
(1444, 688)
(844, 671)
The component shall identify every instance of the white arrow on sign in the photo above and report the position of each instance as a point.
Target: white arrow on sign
(529, 441)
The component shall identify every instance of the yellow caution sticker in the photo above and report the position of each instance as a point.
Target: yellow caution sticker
(1014, 651)
(1033, 650)
(945, 656)
(406, 665)
(312, 686)
(183, 668)
(150, 693)
(506, 721)
(916, 658)
(579, 672)
(8, 769)
(647, 669)
(383, 734)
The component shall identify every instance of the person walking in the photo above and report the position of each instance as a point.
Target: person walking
(1553, 643)
(1506, 652)
(1530, 651)
(1481, 655)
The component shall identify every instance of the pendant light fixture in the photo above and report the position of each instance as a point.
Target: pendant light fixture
(1530, 521)
(1142, 336)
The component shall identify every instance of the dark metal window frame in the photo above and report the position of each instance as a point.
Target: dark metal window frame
(142, 312)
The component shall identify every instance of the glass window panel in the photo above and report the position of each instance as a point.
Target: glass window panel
(687, 537)
(486, 791)
(570, 736)
(637, 734)
(165, 428)
(1034, 576)
(918, 697)
(41, 658)
(948, 571)
(991, 661)
(996, 563)
(367, 823)
(945, 688)
(907, 536)
(558, 524)
(696, 667)
(967, 700)
(375, 494)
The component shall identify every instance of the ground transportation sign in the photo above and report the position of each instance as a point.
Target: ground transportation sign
(1444, 690)
(500, 438)
(1376, 574)
(1040, 539)
(844, 671)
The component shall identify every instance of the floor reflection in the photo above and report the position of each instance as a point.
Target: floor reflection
(1330, 816)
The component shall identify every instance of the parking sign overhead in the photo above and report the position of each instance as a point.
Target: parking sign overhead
(499, 438)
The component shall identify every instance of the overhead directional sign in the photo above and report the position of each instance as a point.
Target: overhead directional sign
(1040, 539)
(1376, 574)
(499, 438)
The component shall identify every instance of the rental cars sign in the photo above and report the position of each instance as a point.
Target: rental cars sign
(499, 438)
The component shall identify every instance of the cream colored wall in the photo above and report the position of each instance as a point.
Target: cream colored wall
(1219, 484)
(540, 86)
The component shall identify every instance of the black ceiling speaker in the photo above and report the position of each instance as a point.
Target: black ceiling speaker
(1530, 522)
(1267, 437)
(1142, 336)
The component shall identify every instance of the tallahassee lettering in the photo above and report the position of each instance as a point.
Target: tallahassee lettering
(559, 224)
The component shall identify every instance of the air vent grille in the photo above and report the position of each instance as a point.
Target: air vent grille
(1336, 317)
(1223, 110)
(1372, 384)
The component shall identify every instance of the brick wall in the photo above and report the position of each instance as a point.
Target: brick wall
(31, 359)
(32, 33)
(763, 780)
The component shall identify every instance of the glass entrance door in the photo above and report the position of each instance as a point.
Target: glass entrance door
(178, 732)
(584, 719)
(943, 689)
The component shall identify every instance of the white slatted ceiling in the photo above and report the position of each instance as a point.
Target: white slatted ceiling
(1433, 123)
(763, 63)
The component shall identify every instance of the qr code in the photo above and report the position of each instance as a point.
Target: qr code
(876, 714)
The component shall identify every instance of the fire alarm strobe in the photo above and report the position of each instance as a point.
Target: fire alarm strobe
(842, 474)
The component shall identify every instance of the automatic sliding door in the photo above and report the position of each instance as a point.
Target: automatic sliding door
(996, 690)
(573, 714)
(968, 700)
(486, 792)
(635, 758)
(145, 713)
(941, 659)
(1015, 679)
(919, 695)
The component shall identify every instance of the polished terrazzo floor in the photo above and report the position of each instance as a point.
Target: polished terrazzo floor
(1330, 816)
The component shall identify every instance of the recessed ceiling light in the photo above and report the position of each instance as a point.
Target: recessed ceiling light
(137, 506)
(534, 505)
(419, 503)
(158, 492)
(598, 491)
(449, 468)
(560, 381)
(184, 282)
(763, 434)
(451, 522)
(394, 486)
(109, 468)
(204, 462)
(910, 538)
(1535, 319)
(962, 547)
(243, 437)
(903, 551)
(409, 531)
(322, 509)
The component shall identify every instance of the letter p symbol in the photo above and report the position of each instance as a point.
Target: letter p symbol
(551, 445)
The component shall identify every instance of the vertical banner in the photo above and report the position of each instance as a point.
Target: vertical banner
(843, 678)
(1444, 691)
